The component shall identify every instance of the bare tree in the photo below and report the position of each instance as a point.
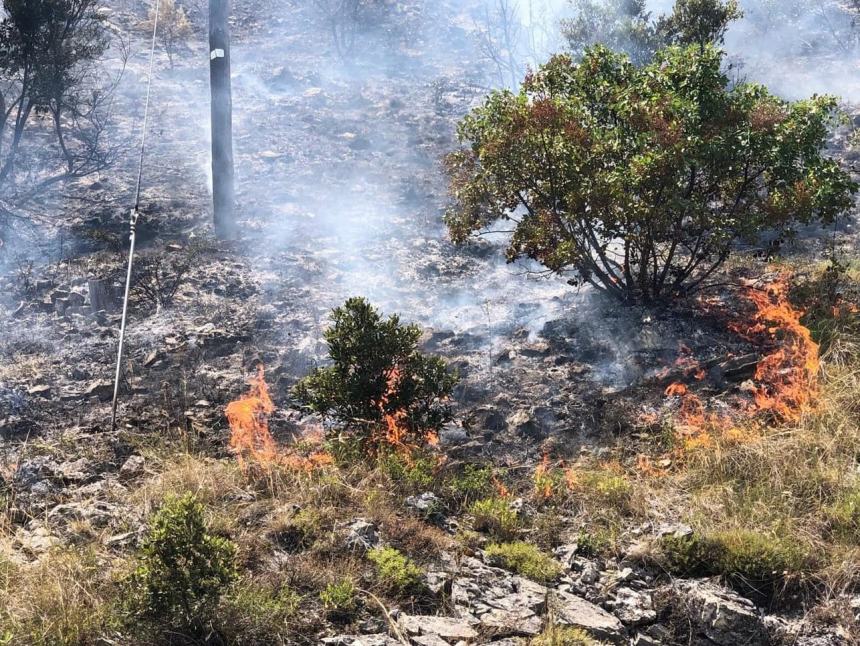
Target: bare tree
(499, 40)
(49, 85)
(174, 28)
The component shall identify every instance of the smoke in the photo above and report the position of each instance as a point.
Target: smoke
(338, 157)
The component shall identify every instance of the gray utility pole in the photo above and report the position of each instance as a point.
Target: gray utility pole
(222, 118)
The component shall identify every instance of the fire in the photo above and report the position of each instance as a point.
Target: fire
(248, 417)
(395, 424)
(676, 389)
(786, 378)
(251, 439)
(789, 375)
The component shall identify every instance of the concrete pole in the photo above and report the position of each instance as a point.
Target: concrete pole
(222, 119)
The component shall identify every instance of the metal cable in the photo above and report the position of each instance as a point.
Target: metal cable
(133, 222)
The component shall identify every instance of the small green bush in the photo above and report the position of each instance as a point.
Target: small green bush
(525, 559)
(415, 473)
(494, 516)
(339, 599)
(183, 569)
(844, 516)
(564, 636)
(473, 483)
(594, 543)
(394, 570)
(754, 563)
(377, 373)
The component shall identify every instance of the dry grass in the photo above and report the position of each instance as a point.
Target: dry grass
(65, 599)
(789, 485)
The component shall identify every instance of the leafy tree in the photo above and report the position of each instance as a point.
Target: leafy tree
(641, 180)
(626, 26)
(378, 377)
(183, 569)
(622, 25)
(699, 22)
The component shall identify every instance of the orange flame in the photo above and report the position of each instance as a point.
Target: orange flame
(789, 375)
(249, 423)
(251, 439)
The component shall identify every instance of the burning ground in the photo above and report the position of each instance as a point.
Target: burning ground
(684, 475)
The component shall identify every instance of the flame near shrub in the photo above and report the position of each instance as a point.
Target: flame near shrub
(380, 388)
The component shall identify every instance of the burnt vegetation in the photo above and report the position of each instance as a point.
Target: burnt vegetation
(541, 325)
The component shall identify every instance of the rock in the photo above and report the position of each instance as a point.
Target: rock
(486, 418)
(362, 535)
(425, 504)
(75, 471)
(590, 573)
(522, 423)
(37, 541)
(429, 640)
(379, 639)
(101, 389)
(41, 390)
(720, 615)
(436, 581)
(634, 608)
(578, 612)
(450, 629)
(132, 467)
(515, 621)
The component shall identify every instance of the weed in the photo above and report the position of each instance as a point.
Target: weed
(525, 559)
(394, 570)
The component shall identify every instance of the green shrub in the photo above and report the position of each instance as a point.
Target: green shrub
(257, 614)
(844, 516)
(594, 543)
(415, 472)
(494, 516)
(339, 599)
(525, 559)
(581, 147)
(394, 570)
(473, 483)
(564, 636)
(378, 374)
(183, 569)
(754, 563)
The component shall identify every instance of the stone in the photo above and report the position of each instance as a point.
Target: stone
(40, 390)
(720, 615)
(103, 390)
(521, 422)
(634, 608)
(425, 504)
(379, 639)
(513, 621)
(429, 640)
(132, 467)
(578, 612)
(362, 535)
(450, 629)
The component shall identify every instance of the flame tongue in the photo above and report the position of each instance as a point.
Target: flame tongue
(251, 439)
(786, 378)
(789, 374)
(248, 417)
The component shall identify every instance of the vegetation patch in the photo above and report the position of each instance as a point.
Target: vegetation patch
(494, 516)
(525, 559)
(394, 570)
(183, 568)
